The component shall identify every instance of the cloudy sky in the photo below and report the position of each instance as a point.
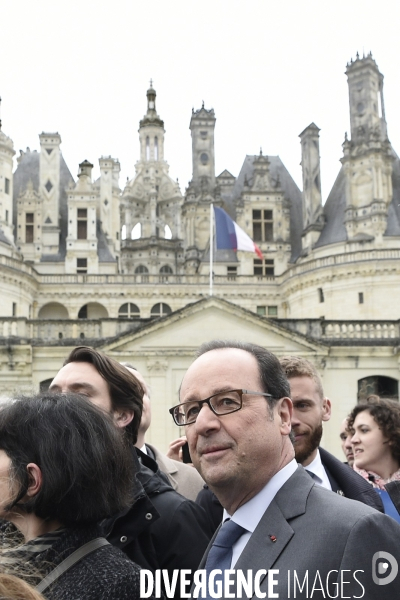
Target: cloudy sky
(267, 68)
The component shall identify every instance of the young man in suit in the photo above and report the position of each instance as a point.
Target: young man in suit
(236, 409)
(311, 408)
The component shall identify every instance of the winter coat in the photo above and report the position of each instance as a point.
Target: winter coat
(162, 529)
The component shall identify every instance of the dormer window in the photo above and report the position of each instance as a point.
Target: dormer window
(263, 226)
(82, 224)
(29, 224)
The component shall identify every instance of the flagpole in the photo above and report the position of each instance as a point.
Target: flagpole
(211, 246)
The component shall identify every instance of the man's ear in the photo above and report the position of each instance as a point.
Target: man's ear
(35, 479)
(122, 418)
(285, 410)
(326, 409)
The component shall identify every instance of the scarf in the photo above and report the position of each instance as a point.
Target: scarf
(376, 480)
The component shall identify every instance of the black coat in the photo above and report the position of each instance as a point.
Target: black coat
(342, 478)
(162, 529)
(105, 574)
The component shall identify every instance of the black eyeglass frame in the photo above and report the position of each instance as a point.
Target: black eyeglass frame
(210, 406)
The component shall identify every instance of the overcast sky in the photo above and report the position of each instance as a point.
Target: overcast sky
(267, 68)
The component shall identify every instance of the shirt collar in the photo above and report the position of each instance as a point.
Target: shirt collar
(317, 468)
(249, 514)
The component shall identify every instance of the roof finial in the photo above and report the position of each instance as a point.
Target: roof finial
(357, 56)
(202, 104)
(261, 151)
(151, 83)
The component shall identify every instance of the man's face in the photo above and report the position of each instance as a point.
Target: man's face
(240, 451)
(83, 378)
(345, 442)
(309, 411)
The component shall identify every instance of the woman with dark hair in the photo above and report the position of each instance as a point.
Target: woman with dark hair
(375, 425)
(63, 468)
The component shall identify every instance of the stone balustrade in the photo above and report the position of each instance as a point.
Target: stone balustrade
(50, 330)
(341, 331)
(147, 278)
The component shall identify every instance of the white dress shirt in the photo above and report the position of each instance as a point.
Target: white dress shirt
(317, 468)
(249, 514)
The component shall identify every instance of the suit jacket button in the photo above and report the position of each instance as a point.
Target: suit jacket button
(148, 516)
(123, 539)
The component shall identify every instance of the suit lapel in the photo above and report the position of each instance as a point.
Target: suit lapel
(274, 532)
(267, 542)
(261, 551)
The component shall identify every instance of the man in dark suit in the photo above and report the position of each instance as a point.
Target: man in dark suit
(310, 409)
(236, 410)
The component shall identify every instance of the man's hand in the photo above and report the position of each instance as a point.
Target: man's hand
(175, 448)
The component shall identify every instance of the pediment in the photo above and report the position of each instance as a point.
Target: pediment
(183, 331)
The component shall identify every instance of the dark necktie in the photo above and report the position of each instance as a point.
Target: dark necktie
(220, 554)
(312, 475)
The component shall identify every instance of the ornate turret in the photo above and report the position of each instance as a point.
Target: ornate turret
(202, 125)
(368, 155)
(151, 130)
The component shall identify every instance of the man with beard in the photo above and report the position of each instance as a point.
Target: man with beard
(310, 409)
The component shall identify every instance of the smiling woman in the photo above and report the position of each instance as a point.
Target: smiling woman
(375, 425)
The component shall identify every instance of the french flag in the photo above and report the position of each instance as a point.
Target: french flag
(229, 236)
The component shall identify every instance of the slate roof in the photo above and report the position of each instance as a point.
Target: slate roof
(334, 210)
(278, 172)
(334, 229)
(28, 170)
(393, 222)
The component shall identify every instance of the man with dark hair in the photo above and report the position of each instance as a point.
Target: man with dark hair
(310, 409)
(162, 530)
(106, 383)
(236, 410)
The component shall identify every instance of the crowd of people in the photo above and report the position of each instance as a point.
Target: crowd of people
(86, 503)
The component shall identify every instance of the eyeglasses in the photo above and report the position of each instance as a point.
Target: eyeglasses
(221, 404)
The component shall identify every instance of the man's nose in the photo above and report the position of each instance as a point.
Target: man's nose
(206, 420)
(347, 442)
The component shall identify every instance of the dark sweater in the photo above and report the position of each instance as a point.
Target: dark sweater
(105, 574)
